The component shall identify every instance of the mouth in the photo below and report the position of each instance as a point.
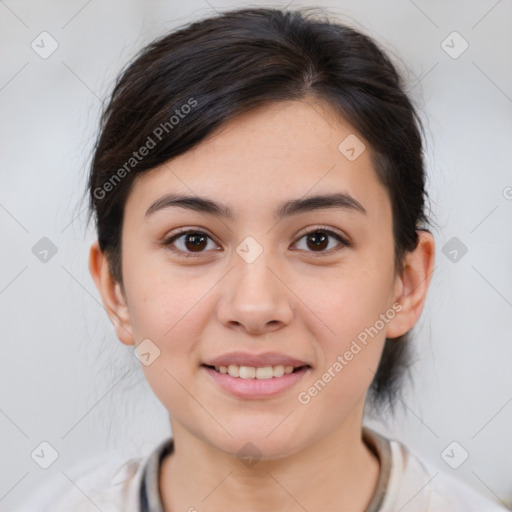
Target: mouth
(248, 382)
(261, 372)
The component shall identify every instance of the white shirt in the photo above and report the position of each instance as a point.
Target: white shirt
(407, 483)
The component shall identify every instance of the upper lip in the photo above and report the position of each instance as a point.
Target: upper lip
(256, 360)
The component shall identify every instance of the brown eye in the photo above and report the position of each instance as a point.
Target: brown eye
(195, 242)
(318, 240)
(188, 242)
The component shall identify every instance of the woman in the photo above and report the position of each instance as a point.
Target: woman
(259, 195)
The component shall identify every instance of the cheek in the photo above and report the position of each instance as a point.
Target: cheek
(163, 298)
(350, 336)
(351, 315)
(173, 319)
(350, 298)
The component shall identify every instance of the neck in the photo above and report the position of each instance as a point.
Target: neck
(337, 472)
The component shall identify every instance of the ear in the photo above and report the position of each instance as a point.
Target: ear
(411, 287)
(111, 294)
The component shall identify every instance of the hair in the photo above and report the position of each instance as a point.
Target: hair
(184, 85)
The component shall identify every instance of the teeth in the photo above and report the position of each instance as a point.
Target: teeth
(250, 372)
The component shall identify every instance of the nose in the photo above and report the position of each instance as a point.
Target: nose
(255, 298)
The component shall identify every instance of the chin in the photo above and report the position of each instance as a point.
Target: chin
(260, 443)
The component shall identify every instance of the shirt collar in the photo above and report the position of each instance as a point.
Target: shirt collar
(150, 498)
(151, 501)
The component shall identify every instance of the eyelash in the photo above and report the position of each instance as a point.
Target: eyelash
(318, 229)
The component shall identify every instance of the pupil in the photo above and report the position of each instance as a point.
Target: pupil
(196, 241)
(320, 243)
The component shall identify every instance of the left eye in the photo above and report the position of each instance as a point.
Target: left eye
(194, 243)
(319, 239)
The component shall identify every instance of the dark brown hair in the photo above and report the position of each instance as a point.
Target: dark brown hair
(184, 85)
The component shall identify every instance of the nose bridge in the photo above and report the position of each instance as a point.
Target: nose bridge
(254, 279)
(254, 295)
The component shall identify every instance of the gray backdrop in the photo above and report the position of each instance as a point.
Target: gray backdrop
(66, 380)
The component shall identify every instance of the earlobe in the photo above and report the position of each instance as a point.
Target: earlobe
(111, 294)
(412, 285)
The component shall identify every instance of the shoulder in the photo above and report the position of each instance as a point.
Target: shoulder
(109, 483)
(416, 485)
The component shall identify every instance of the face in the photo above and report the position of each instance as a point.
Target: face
(314, 284)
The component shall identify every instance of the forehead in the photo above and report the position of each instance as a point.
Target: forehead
(261, 158)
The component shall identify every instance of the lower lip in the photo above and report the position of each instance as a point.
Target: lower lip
(256, 388)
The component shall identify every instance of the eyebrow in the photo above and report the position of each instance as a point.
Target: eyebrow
(291, 207)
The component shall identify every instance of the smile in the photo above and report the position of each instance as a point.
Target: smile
(255, 382)
(251, 372)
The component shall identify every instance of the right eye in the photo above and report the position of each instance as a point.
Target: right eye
(193, 243)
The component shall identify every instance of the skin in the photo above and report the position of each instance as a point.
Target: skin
(307, 302)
